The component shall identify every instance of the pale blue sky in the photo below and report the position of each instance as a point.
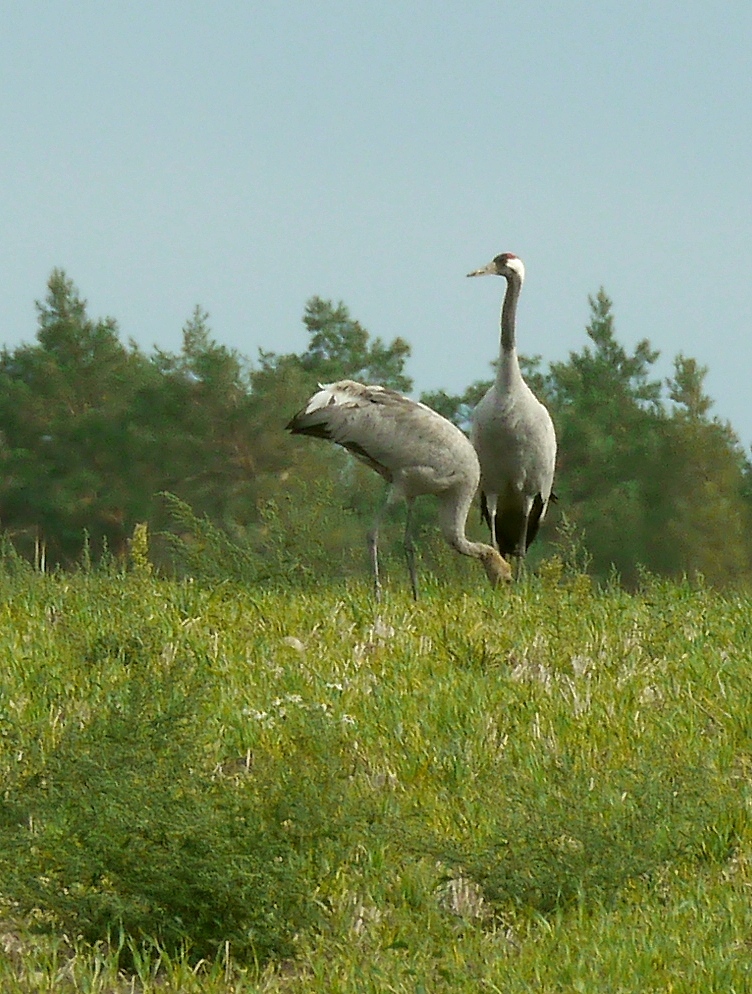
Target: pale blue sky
(245, 156)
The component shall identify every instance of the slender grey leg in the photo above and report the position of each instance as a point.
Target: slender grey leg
(373, 552)
(373, 548)
(519, 566)
(491, 508)
(410, 551)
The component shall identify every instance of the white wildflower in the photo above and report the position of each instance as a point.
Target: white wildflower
(463, 897)
(294, 643)
(381, 630)
(581, 664)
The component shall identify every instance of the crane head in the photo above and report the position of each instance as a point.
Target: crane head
(505, 264)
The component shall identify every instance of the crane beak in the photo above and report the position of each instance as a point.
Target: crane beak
(489, 270)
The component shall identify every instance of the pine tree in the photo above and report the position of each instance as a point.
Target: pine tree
(703, 469)
(607, 411)
(68, 439)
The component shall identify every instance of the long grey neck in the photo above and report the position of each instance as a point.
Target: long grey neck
(452, 520)
(508, 368)
(509, 313)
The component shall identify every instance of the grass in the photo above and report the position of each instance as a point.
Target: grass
(222, 788)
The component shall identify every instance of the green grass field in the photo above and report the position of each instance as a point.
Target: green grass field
(222, 789)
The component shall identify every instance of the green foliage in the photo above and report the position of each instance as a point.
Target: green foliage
(202, 436)
(546, 786)
(458, 409)
(339, 348)
(707, 533)
(607, 373)
(646, 487)
(139, 550)
(312, 520)
(609, 423)
(127, 830)
(126, 838)
(67, 441)
(92, 432)
(202, 550)
(288, 546)
(563, 832)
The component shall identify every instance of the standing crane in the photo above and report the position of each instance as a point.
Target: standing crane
(513, 434)
(415, 450)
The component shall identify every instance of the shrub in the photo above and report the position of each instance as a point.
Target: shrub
(567, 833)
(127, 831)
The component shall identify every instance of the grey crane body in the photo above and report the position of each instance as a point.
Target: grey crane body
(513, 435)
(414, 449)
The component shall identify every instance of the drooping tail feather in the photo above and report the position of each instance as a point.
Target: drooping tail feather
(304, 423)
(508, 526)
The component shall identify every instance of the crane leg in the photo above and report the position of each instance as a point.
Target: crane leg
(410, 552)
(519, 566)
(373, 545)
(490, 501)
(373, 552)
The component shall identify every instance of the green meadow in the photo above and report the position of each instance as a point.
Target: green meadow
(222, 788)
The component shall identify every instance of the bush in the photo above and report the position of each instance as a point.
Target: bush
(567, 834)
(300, 539)
(203, 550)
(127, 831)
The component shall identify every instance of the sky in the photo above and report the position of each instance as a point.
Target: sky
(245, 156)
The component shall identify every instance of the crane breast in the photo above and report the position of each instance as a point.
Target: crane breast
(515, 441)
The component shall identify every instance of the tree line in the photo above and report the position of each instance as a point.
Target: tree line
(95, 432)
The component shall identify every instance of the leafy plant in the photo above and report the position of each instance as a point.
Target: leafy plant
(127, 831)
(201, 549)
(567, 834)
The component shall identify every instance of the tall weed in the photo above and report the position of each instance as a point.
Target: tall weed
(567, 834)
(128, 830)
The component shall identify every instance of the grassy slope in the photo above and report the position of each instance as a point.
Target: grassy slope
(537, 790)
